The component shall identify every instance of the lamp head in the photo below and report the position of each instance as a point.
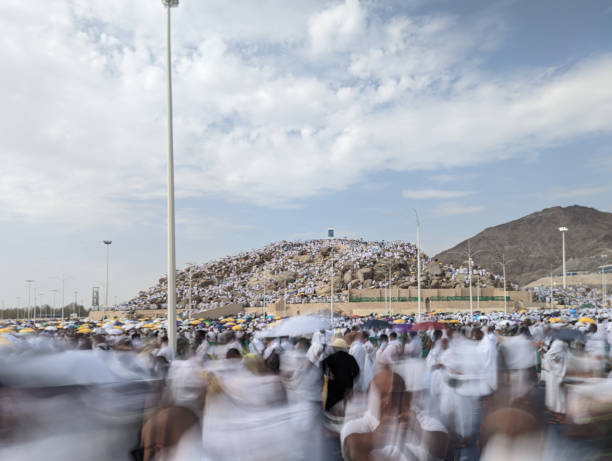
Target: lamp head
(107, 242)
(563, 229)
(170, 3)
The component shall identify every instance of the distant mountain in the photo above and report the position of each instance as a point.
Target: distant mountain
(533, 243)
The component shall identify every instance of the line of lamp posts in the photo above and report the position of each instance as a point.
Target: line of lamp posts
(30, 310)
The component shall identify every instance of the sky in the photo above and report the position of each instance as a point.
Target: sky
(289, 117)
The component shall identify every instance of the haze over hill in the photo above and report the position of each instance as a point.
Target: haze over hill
(532, 244)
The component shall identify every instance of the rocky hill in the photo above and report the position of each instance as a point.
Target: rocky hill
(301, 272)
(532, 244)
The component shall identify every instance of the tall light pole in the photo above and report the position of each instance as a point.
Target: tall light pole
(54, 292)
(63, 280)
(168, 4)
(331, 305)
(503, 263)
(76, 294)
(390, 291)
(29, 282)
(563, 230)
(469, 255)
(190, 266)
(418, 226)
(108, 244)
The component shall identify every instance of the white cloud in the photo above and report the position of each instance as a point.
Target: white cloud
(259, 117)
(454, 209)
(336, 27)
(433, 193)
(580, 192)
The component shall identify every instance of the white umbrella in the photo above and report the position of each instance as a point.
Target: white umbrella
(296, 326)
(50, 329)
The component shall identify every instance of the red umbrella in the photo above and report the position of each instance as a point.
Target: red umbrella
(429, 326)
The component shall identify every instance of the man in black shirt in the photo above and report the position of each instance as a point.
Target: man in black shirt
(341, 370)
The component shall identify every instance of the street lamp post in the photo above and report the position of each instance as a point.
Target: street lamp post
(54, 292)
(390, 291)
(331, 305)
(168, 4)
(29, 282)
(563, 230)
(63, 280)
(418, 226)
(503, 263)
(76, 294)
(469, 255)
(190, 264)
(108, 244)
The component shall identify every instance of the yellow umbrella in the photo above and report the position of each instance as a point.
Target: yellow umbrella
(277, 318)
(555, 320)
(227, 320)
(399, 321)
(237, 327)
(27, 330)
(148, 325)
(41, 328)
(7, 330)
(194, 322)
(84, 330)
(586, 320)
(454, 321)
(240, 321)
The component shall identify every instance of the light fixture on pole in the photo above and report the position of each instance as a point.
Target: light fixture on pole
(168, 4)
(63, 280)
(190, 267)
(29, 308)
(54, 291)
(418, 226)
(503, 263)
(390, 291)
(469, 255)
(563, 230)
(331, 305)
(108, 244)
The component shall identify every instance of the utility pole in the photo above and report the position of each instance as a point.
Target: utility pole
(418, 226)
(29, 309)
(563, 230)
(331, 306)
(171, 226)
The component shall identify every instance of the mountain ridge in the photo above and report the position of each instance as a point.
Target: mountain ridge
(531, 245)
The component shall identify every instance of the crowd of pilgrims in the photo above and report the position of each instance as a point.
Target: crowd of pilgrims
(574, 295)
(253, 277)
(499, 387)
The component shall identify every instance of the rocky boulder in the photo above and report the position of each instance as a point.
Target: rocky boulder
(433, 268)
(364, 273)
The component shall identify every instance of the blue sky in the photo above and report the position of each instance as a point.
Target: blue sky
(289, 117)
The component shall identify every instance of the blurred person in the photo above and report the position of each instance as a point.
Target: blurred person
(357, 350)
(341, 370)
(414, 347)
(519, 356)
(554, 368)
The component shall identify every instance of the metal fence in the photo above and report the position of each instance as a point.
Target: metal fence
(432, 299)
